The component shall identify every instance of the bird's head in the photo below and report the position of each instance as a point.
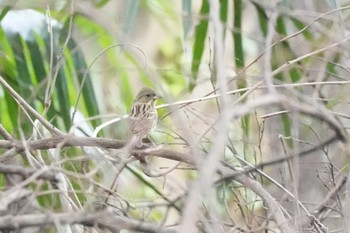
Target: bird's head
(147, 95)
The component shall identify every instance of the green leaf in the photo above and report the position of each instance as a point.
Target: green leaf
(331, 66)
(263, 19)
(300, 26)
(7, 61)
(85, 82)
(199, 41)
(239, 53)
(23, 77)
(38, 57)
(186, 17)
(131, 15)
(237, 36)
(281, 28)
(11, 110)
(100, 3)
(4, 11)
(63, 98)
(224, 11)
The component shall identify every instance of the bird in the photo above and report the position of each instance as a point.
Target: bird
(143, 116)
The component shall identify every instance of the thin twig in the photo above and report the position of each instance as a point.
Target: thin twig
(29, 108)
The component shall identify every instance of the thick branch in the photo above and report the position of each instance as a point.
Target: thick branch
(69, 141)
(101, 219)
(62, 141)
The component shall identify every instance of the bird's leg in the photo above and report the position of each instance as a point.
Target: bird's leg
(150, 141)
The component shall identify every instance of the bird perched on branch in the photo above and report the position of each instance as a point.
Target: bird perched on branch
(143, 116)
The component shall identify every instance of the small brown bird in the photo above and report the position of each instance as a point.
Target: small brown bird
(143, 116)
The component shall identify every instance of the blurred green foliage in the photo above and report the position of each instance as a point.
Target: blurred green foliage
(36, 62)
(47, 57)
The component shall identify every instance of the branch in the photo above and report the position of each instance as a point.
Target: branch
(65, 141)
(29, 108)
(70, 140)
(50, 175)
(62, 141)
(278, 160)
(101, 219)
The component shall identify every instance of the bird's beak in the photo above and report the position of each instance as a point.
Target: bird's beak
(157, 97)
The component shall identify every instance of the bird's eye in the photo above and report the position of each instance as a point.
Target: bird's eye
(148, 95)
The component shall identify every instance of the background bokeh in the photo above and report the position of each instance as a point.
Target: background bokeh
(80, 64)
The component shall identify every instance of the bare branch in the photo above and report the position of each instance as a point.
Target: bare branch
(27, 172)
(29, 108)
(100, 219)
